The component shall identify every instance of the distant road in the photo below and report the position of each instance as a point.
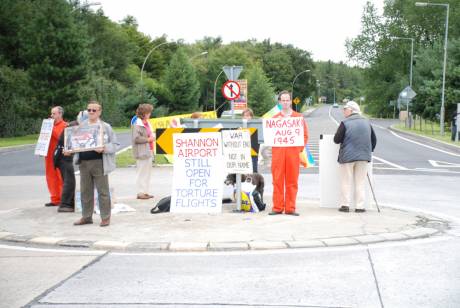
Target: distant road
(22, 161)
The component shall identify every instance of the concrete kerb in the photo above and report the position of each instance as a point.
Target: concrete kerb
(403, 235)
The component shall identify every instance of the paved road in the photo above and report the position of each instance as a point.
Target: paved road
(20, 161)
(421, 273)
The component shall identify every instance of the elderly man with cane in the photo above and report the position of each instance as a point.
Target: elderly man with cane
(357, 142)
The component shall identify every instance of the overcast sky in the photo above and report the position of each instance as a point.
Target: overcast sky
(318, 26)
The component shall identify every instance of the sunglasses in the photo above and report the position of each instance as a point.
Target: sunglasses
(92, 110)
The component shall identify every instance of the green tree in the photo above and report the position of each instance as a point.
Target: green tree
(260, 90)
(182, 84)
(54, 50)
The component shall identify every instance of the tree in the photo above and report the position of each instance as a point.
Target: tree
(54, 50)
(182, 84)
(260, 90)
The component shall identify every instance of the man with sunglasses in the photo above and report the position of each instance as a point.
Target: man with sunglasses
(94, 169)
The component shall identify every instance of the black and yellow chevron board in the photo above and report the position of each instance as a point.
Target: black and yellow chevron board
(164, 138)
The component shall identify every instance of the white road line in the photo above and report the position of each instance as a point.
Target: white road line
(330, 116)
(85, 252)
(424, 145)
(388, 163)
(378, 158)
(124, 150)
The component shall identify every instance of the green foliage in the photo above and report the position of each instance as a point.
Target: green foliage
(260, 91)
(53, 48)
(182, 84)
(387, 60)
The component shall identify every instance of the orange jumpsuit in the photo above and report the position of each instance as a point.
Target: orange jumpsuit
(53, 176)
(285, 172)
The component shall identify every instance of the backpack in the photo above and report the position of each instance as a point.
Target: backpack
(162, 206)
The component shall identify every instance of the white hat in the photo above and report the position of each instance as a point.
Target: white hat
(353, 106)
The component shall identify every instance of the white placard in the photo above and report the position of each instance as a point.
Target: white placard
(198, 173)
(237, 151)
(45, 136)
(284, 132)
(329, 174)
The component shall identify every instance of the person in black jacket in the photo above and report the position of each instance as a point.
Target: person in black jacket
(357, 142)
(65, 165)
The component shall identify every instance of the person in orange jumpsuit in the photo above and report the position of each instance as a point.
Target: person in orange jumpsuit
(53, 176)
(286, 164)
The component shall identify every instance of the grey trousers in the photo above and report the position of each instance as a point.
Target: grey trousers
(92, 174)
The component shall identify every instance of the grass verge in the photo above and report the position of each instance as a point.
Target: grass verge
(428, 129)
(126, 159)
(15, 141)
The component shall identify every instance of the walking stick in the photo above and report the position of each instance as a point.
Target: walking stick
(373, 193)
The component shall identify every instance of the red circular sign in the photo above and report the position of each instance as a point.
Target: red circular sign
(231, 90)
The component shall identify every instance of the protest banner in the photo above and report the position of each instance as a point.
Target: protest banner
(198, 173)
(284, 132)
(45, 136)
(83, 138)
(237, 151)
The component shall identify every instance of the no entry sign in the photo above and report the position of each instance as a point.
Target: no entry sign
(231, 90)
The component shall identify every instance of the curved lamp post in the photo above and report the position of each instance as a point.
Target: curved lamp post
(292, 86)
(148, 55)
(446, 5)
(215, 83)
(411, 54)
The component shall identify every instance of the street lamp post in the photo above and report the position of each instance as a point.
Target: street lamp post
(215, 83)
(446, 5)
(411, 54)
(148, 55)
(292, 86)
(200, 54)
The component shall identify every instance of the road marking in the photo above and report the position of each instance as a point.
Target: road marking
(7, 211)
(443, 164)
(376, 157)
(330, 116)
(123, 150)
(389, 163)
(87, 252)
(424, 145)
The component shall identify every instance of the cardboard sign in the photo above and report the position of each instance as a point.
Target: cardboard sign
(284, 132)
(45, 136)
(83, 138)
(198, 173)
(237, 151)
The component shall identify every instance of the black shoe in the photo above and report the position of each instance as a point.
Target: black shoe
(275, 213)
(64, 209)
(344, 208)
(293, 214)
(51, 204)
(360, 210)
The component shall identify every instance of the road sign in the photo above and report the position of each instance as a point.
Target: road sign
(296, 100)
(232, 72)
(407, 93)
(231, 90)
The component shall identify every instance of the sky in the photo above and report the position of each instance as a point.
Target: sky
(318, 26)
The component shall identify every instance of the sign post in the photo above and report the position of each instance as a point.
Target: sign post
(407, 95)
(232, 73)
